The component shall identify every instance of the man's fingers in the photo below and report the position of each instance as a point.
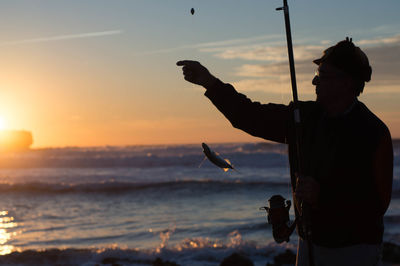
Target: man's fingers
(188, 63)
(189, 78)
(187, 71)
(196, 73)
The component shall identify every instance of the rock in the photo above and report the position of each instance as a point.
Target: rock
(236, 259)
(391, 252)
(286, 258)
(112, 261)
(160, 262)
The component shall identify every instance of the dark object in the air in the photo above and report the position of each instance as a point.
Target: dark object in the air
(192, 11)
(278, 217)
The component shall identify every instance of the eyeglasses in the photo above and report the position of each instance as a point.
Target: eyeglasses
(328, 75)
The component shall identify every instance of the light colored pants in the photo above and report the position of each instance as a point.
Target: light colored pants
(357, 255)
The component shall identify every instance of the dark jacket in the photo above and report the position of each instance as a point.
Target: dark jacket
(338, 152)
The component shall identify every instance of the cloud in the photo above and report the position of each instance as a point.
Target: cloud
(275, 77)
(272, 71)
(279, 85)
(381, 30)
(381, 41)
(63, 37)
(258, 52)
(325, 42)
(269, 52)
(385, 63)
(253, 85)
(276, 69)
(240, 40)
(213, 46)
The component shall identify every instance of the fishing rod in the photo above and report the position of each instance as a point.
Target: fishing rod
(305, 208)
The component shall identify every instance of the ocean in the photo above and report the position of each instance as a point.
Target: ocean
(131, 205)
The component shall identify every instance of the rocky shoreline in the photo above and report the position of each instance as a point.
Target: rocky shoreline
(390, 256)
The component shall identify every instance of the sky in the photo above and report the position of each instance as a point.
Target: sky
(100, 72)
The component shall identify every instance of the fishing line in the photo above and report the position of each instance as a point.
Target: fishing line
(191, 12)
(289, 188)
(205, 158)
(287, 170)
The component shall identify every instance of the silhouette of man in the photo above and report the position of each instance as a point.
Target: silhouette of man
(347, 154)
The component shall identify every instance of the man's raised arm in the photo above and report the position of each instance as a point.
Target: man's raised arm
(268, 121)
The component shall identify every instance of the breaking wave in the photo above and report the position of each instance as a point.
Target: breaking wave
(121, 187)
(254, 155)
(191, 251)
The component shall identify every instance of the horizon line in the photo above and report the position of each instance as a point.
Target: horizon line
(397, 139)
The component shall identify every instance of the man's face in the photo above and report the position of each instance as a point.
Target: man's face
(331, 84)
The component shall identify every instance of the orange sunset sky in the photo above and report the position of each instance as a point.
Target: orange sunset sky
(87, 73)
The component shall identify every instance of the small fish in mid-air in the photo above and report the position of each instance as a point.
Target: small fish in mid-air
(225, 164)
(192, 11)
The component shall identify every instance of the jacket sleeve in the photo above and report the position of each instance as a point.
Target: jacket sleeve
(267, 121)
(383, 170)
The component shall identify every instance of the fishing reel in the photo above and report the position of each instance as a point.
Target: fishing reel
(278, 217)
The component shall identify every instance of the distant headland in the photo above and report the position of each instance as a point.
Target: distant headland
(15, 140)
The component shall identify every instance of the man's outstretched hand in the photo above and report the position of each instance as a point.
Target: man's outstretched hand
(196, 73)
